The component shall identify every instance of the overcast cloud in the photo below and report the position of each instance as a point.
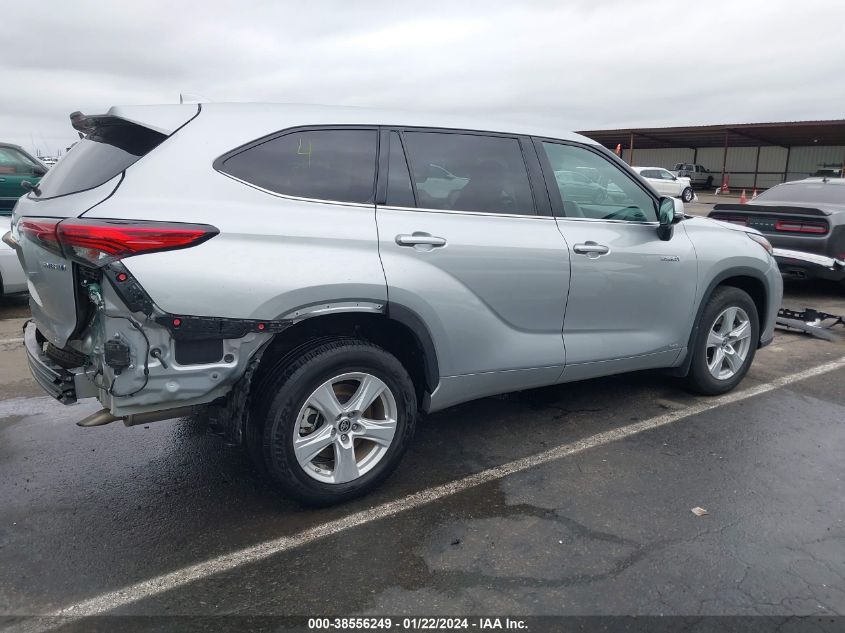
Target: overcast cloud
(587, 64)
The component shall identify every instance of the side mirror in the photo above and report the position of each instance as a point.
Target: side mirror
(669, 213)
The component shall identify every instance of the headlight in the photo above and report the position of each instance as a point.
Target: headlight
(762, 241)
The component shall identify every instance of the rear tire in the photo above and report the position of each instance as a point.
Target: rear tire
(321, 401)
(726, 342)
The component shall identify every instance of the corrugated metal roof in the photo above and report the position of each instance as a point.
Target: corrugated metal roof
(784, 134)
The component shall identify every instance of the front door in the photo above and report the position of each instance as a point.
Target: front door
(631, 295)
(466, 248)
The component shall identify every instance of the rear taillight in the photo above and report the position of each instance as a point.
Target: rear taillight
(800, 226)
(98, 242)
(42, 231)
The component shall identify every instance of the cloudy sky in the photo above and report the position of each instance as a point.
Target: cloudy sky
(587, 63)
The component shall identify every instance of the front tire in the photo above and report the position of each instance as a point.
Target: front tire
(687, 194)
(726, 342)
(333, 422)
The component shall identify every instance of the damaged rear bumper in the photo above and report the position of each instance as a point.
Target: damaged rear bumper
(800, 265)
(65, 385)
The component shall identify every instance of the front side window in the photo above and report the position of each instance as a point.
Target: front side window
(666, 175)
(336, 165)
(468, 172)
(612, 195)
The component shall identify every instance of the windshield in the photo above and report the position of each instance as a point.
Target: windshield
(806, 192)
(99, 157)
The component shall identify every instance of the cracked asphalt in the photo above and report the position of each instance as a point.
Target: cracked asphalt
(607, 531)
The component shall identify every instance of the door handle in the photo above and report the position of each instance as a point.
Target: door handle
(591, 249)
(2, 180)
(420, 239)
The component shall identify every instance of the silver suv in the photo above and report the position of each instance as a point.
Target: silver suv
(319, 276)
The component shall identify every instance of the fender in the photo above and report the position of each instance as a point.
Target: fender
(740, 271)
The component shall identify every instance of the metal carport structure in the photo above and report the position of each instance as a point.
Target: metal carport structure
(787, 135)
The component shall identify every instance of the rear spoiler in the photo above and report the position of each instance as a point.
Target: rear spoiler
(771, 208)
(85, 124)
(164, 119)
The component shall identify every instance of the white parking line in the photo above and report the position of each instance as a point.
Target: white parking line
(261, 551)
(3, 341)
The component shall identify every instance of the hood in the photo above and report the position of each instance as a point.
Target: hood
(725, 225)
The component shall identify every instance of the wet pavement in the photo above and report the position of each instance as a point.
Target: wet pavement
(606, 530)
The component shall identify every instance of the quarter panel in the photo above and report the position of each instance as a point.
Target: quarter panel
(273, 255)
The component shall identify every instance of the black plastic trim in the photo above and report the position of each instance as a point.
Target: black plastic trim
(413, 322)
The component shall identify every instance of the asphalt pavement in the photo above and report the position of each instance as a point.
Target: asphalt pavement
(569, 500)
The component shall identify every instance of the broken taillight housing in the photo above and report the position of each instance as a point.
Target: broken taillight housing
(97, 242)
(42, 231)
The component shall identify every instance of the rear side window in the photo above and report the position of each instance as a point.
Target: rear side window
(336, 165)
(468, 172)
(99, 157)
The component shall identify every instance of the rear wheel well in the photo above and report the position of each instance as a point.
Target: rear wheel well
(389, 334)
(755, 289)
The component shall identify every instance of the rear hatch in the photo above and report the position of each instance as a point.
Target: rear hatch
(88, 174)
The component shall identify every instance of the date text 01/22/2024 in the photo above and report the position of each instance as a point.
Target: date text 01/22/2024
(416, 623)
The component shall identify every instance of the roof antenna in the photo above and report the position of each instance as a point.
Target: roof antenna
(190, 97)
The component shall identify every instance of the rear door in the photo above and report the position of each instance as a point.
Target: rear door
(477, 257)
(631, 294)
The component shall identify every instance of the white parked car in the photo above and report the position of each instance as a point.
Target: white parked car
(12, 279)
(666, 184)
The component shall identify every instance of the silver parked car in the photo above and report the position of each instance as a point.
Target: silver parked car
(284, 265)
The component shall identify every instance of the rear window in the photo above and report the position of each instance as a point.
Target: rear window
(99, 157)
(809, 192)
(337, 165)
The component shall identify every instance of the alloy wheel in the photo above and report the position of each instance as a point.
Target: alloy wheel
(345, 428)
(728, 343)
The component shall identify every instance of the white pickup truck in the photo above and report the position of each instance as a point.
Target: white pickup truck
(698, 175)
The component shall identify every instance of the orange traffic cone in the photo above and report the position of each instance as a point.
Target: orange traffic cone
(754, 195)
(742, 198)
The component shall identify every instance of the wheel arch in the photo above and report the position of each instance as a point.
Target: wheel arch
(748, 279)
(398, 330)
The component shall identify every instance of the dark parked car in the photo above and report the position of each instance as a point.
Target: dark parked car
(16, 165)
(805, 222)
